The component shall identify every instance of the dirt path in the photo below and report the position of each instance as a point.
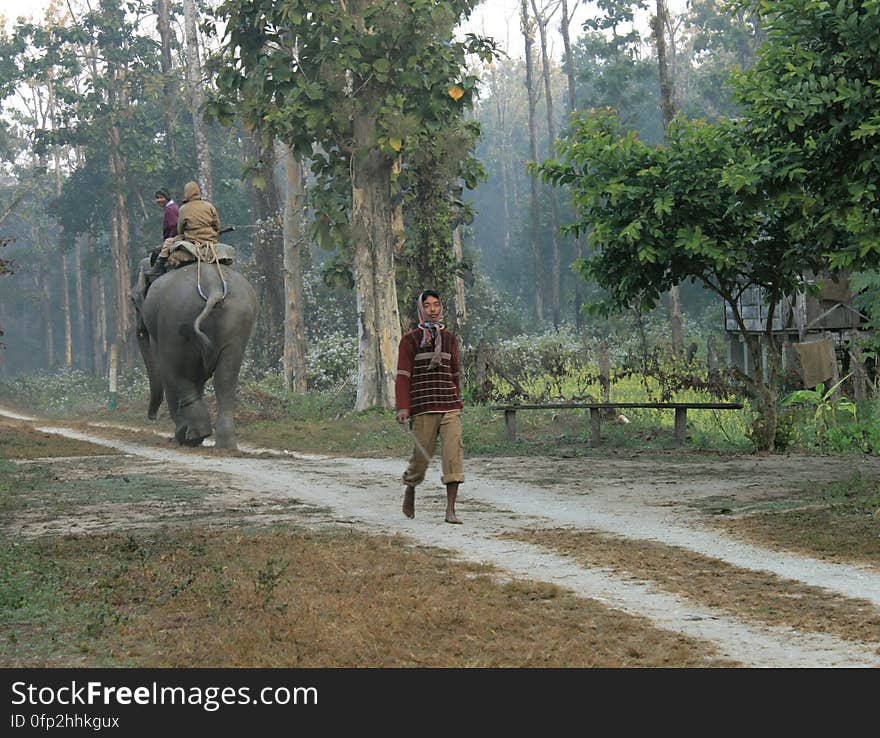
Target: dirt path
(631, 497)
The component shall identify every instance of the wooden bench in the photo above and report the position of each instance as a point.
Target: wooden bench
(596, 409)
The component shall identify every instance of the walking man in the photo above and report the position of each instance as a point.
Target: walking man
(428, 397)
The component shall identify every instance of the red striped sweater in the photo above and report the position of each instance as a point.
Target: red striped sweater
(420, 389)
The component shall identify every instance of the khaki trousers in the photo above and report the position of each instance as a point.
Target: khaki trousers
(427, 428)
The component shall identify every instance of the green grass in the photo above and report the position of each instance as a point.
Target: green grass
(18, 493)
(324, 423)
(857, 495)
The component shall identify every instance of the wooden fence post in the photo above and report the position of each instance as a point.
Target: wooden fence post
(835, 372)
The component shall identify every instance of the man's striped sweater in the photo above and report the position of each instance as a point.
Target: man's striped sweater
(421, 389)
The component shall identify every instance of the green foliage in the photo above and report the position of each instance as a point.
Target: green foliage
(307, 72)
(562, 365)
(826, 405)
(861, 436)
(428, 185)
(657, 215)
(814, 122)
(723, 40)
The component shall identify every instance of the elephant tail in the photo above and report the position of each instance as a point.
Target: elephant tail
(205, 343)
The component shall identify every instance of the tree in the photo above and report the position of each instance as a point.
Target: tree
(814, 112)
(295, 245)
(667, 107)
(430, 187)
(565, 30)
(659, 215)
(196, 82)
(169, 88)
(344, 85)
(718, 39)
(528, 31)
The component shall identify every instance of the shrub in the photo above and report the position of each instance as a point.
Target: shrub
(65, 390)
(332, 359)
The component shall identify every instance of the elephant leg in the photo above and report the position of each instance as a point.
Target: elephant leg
(148, 352)
(226, 391)
(171, 399)
(195, 419)
(192, 421)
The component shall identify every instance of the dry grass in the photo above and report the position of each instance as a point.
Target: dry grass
(335, 598)
(244, 594)
(828, 532)
(19, 440)
(759, 596)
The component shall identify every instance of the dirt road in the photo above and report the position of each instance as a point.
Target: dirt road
(627, 498)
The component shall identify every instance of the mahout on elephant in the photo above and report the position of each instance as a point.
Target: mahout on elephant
(193, 323)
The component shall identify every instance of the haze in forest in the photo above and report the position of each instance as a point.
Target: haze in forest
(291, 146)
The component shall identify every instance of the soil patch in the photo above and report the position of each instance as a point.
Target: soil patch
(105, 494)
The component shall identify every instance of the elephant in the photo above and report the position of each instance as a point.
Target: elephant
(190, 327)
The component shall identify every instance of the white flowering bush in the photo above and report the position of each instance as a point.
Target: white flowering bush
(540, 366)
(65, 390)
(331, 359)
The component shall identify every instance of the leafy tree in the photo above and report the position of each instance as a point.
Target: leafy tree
(814, 111)
(429, 185)
(613, 70)
(659, 215)
(345, 85)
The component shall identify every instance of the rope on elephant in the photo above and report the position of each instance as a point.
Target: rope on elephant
(207, 253)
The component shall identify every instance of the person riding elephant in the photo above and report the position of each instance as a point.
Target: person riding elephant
(197, 222)
(194, 325)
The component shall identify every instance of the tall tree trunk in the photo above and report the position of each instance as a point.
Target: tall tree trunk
(266, 211)
(460, 299)
(295, 244)
(99, 310)
(169, 93)
(528, 31)
(46, 309)
(555, 267)
(501, 107)
(83, 354)
(376, 292)
(194, 74)
(65, 272)
(667, 106)
(505, 196)
(65, 312)
(398, 229)
(120, 251)
(564, 28)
